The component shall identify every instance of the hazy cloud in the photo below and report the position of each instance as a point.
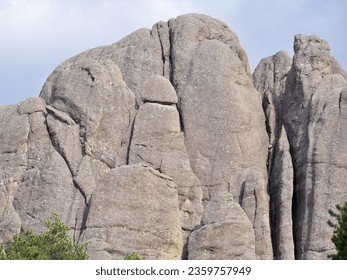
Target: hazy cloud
(37, 35)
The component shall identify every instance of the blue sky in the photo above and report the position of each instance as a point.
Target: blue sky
(37, 35)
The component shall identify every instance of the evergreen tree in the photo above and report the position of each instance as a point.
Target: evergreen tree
(54, 244)
(340, 232)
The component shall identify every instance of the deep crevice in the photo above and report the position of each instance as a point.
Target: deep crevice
(242, 194)
(172, 79)
(84, 221)
(163, 58)
(294, 204)
(185, 251)
(158, 102)
(78, 187)
(132, 126)
(171, 76)
(180, 115)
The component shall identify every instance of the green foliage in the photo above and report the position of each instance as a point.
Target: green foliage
(54, 244)
(132, 256)
(340, 232)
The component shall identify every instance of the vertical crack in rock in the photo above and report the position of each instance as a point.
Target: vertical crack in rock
(59, 147)
(171, 76)
(343, 104)
(132, 124)
(64, 135)
(165, 53)
(295, 207)
(171, 59)
(55, 141)
(158, 141)
(83, 223)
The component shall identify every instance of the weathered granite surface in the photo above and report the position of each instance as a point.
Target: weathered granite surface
(164, 144)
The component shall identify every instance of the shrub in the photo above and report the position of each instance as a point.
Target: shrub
(132, 256)
(54, 244)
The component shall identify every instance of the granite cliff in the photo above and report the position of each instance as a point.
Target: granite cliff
(163, 143)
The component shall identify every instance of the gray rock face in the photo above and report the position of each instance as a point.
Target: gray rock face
(13, 147)
(35, 178)
(224, 225)
(157, 140)
(142, 215)
(281, 194)
(225, 138)
(270, 78)
(100, 97)
(308, 101)
(162, 144)
(159, 89)
(314, 123)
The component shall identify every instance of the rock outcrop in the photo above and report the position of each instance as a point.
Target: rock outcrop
(315, 123)
(308, 100)
(164, 144)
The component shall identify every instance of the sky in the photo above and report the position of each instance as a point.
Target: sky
(37, 35)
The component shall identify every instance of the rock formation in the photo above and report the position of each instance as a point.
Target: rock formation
(163, 143)
(304, 105)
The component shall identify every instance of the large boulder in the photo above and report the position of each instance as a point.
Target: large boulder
(134, 209)
(226, 232)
